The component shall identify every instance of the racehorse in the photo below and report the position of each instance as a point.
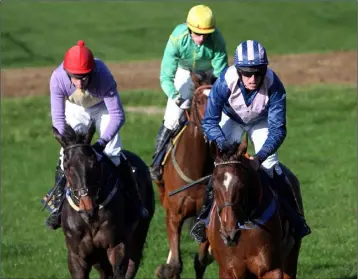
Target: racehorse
(247, 232)
(189, 160)
(98, 229)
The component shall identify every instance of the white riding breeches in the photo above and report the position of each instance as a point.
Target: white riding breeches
(185, 86)
(257, 133)
(79, 117)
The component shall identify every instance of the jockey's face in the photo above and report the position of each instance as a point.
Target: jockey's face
(252, 78)
(198, 38)
(80, 82)
(251, 83)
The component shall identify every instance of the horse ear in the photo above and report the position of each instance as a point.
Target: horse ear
(91, 131)
(243, 145)
(58, 137)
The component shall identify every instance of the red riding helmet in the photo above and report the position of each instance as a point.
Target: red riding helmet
(79, 59)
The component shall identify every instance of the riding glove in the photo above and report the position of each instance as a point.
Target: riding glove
(99, 145)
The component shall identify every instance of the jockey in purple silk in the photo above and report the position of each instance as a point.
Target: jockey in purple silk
(83, 89)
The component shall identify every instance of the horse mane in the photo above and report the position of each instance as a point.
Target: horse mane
(72, 136)
(231, 154)
(205, 78)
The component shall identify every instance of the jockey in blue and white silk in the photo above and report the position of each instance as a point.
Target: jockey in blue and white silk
(233, 109)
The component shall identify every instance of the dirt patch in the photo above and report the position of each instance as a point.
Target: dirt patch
(298, 69)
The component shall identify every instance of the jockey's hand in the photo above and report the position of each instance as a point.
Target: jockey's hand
(255, 162)
(99, 146)
(182, 103)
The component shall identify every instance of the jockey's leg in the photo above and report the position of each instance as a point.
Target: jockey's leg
(113, 152)
(53, 221)
(184, 85)
(161, 143)
(289, 205)
(198, 230)
(233, 132)
(258, 134)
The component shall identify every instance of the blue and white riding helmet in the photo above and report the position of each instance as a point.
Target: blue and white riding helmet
(250, 53)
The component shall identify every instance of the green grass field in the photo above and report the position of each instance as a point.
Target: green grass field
(38, 33)
(320, 148)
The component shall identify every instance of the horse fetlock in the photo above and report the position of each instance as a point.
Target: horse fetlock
(168, 271)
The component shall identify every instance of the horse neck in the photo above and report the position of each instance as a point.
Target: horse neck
(192, 150)
(253, 193)
(110, 175)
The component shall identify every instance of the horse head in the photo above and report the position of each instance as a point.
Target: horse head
(81, 166)
(234, 183)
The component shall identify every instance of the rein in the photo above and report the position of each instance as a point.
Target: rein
(76, 145)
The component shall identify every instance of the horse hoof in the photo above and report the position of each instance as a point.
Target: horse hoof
(165, 271)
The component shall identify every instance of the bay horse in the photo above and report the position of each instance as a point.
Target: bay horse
(98, 229)
(189, 160)
(247, 234)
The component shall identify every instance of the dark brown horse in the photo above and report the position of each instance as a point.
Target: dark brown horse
(248, 236)
(189, 160)
(98, 228)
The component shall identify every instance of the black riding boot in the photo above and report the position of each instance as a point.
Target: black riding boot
(289, 206)
(127, 173)
(198, 230)
(162, 140)
(55, 204)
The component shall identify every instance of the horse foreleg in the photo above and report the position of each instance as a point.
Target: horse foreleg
(173, 267)
(78, 267)
(202, 260)
(117, 258)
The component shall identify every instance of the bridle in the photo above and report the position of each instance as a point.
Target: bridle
(75, 145)
(196, 120)
(219, 208)
(82, 192)
(240, 207)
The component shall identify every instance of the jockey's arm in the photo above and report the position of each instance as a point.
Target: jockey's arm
(57, 101)
(219, 94)
(116, 113)
(220, 59)
(276, 120)
(169, 67)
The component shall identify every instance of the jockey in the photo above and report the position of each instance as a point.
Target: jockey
(249, 96)
(83, 88)
(197, 46)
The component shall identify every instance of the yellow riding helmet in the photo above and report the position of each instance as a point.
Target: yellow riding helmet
(201, 20)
